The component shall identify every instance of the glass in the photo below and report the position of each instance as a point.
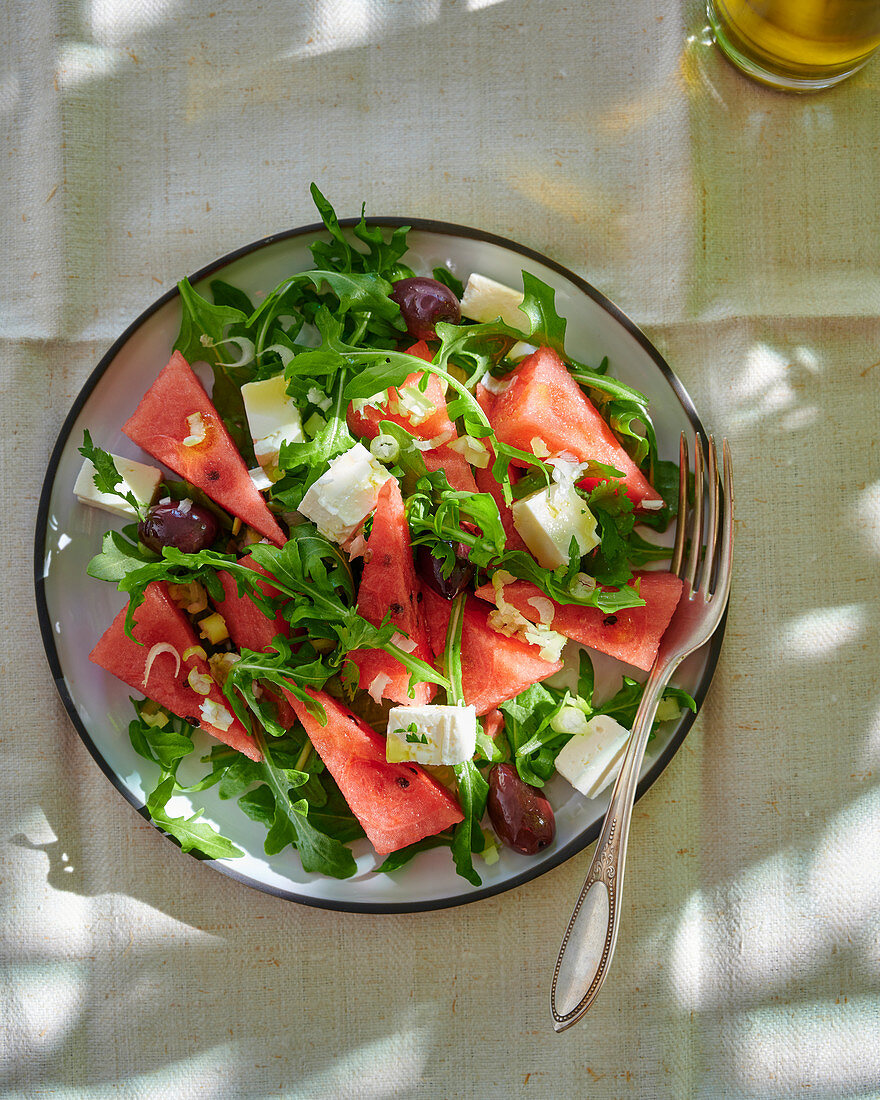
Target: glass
(797, 45)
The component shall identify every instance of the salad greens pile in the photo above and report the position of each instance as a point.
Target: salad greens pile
(337, 335)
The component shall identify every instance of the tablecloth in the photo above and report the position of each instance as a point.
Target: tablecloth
(740, 228)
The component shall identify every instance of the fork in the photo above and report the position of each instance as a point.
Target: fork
(589, 940)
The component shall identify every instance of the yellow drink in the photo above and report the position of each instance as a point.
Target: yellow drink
(799, 45)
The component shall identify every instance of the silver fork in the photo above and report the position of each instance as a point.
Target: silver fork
(589, 940)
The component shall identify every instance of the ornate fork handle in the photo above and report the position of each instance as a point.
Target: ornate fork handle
(588, 943)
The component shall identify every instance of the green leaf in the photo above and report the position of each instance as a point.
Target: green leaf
(193, 835)
(467, 836)
(201, 318)
(526, 717)
(444, 275)
(106, 477)
(118, 558)
(402, 856)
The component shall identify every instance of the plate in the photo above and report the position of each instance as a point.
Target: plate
(74, 610)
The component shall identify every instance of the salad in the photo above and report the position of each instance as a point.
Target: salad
(357, 567)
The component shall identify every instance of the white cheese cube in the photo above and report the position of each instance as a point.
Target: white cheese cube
(591, 760)
(272, 416)
(486, 300)
(342, 498)
(138, 479)
(549, 519)
(431, 734)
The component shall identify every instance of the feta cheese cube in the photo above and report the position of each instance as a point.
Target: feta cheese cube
(486, 300)
(138, 479)
(591, 760)
(342, 498)
(272, 416)
(549, 519)
(431, 734)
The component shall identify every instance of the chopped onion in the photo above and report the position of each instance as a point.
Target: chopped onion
(358, 404)
(414, 405)
(214, 714)
(380, 682)
(385, 448)
(544, 607)
(183, 506)
(430, 444)
(195, 651)
(539, 447)
(283, 353)
(160, 647)
(495, 385)
(408, 645)
(473, 450)
(199, 682)
(221, 665)
(198, 430)
(582, 584)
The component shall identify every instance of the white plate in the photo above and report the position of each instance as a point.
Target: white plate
(74, 610)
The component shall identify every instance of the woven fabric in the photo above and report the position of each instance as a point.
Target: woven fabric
(741, 229)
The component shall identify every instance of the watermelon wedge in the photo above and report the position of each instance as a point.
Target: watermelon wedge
(159, 425)
(365, 425)
(389, 582)
(162, 675)
(544, 402)
(486, 483)
(250, 629)
(494, 668)
(632, 635)
(397, 804)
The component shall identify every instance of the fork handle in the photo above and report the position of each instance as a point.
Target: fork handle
(588, 943)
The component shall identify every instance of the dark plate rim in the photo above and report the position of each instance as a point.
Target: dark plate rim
(427, 225)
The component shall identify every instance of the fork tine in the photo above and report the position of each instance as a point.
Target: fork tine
(711, 519)
(696, 525)
(681, 516)
(724, 565)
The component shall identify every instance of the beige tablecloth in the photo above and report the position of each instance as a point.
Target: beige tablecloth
(741, 229)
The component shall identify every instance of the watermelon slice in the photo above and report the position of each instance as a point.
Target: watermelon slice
(544, 402)
(159, 425)
(250, 629)
(159, 621)
(365, 425)
(397, 804)
(494, 668)
(632, 635)
(389, 582)
(486, 483)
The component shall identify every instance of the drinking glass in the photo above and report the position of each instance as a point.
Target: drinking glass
(797, 45)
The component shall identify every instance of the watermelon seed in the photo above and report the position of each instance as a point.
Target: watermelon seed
(401, 782)
(609, 620)
(213, 475)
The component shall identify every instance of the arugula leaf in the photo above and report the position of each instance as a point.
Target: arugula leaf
(291, 825)
(402, 856)
(106, 477)
(166, 745)
(191, 834)
(467, 836)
